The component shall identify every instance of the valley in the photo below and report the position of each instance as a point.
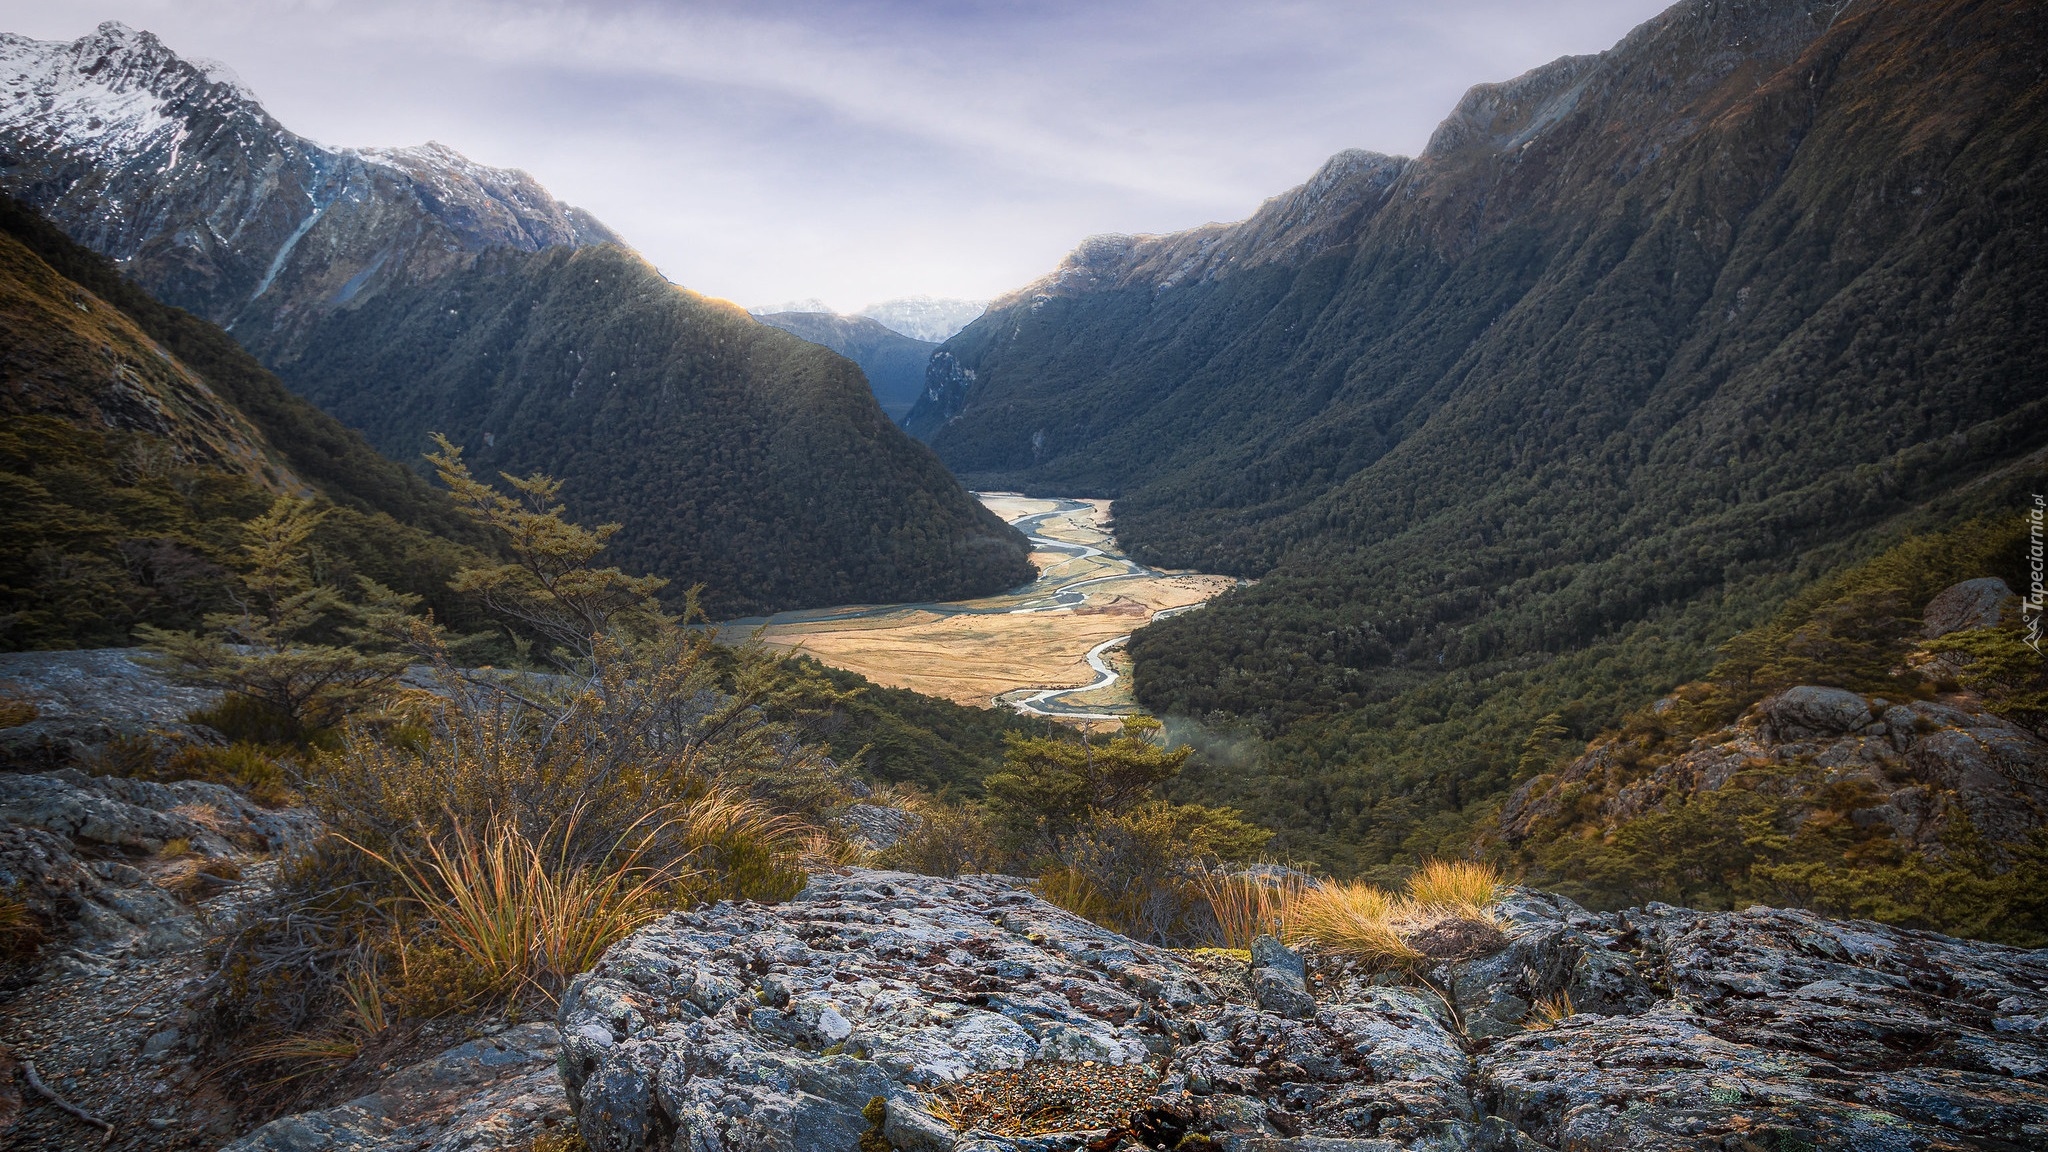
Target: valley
(1049, 648)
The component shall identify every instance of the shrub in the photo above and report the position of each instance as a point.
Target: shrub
(240, 765)
(948, 840)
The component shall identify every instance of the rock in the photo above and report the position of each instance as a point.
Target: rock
(747, 1028)
(495, 1092)
(1965, 606)
(1280, 980)
(1796, 1031)
(877, 827)
(86, 699)
(1808, 711)
(143, 815)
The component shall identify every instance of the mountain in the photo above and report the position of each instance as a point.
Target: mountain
(410, 290)
(136, 439)
(929, 318)
(893, 363)
(1641, 343)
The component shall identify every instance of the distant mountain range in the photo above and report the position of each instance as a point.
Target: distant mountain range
(409, 290)
(1638, 343)
(928, 318)
(893, 363)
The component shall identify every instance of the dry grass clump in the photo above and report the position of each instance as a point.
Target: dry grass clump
(1548, 1011)
(195, 877)
(1448, 904)
(522, 918)
(14, 711)
(1248, 905)
(21, 934)
(1465, 889)
(1356, 921)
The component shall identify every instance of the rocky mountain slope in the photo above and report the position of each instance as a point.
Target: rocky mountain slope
(893, 363)
(181, 177)
(410, 290)
(1628, 320)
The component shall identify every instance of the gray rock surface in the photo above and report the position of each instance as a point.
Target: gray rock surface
(746, 1027)
(84, 699)
(1962, 607)
(1809, 710)
(878, 826)
(494, 1092)
(1925, 762)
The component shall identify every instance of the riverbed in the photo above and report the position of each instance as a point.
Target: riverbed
(1051, 648)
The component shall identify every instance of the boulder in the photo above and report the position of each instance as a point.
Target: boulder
(1965, 606)
(843, 1019)
(1810, 711)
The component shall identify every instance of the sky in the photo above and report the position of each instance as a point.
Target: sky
(858, 151)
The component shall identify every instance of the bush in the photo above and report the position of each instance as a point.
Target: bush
(254, 770)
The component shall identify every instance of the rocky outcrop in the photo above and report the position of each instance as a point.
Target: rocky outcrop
(861, 1012)
(83, 700)
(1962, 607)
(1923, 763)
(496, 1092)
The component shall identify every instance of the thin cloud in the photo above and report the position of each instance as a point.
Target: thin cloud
(857, 151)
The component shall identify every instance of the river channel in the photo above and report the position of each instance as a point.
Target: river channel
(1051, 648)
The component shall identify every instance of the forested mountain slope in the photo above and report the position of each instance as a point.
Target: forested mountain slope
(736, 456)
(893, 363)
(135, 439)
(1633, 326)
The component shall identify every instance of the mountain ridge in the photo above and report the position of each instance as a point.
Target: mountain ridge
(204, 199)
(1627, 350)
(893, 363)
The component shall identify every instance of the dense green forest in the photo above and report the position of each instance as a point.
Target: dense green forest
(1636, 346)
(735, 455)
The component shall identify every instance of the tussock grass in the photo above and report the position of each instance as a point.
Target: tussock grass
(1466, 889)
(1548, 1011)
(1248, 906)
(1357, 921)
(521, 912)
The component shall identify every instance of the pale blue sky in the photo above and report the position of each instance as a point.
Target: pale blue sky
(858, 151)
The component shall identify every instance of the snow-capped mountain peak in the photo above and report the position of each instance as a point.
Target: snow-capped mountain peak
(172, 167)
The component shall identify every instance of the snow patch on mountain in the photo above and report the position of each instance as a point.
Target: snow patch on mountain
(931, 318)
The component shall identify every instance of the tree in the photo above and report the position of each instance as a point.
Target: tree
(549, 587)
(261, 652)
(1052, 786)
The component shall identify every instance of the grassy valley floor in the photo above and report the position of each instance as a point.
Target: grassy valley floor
(1029, 648)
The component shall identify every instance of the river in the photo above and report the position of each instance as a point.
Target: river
(1051, 648)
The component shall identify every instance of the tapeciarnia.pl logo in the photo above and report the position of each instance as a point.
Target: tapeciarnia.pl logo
(2032, 603)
